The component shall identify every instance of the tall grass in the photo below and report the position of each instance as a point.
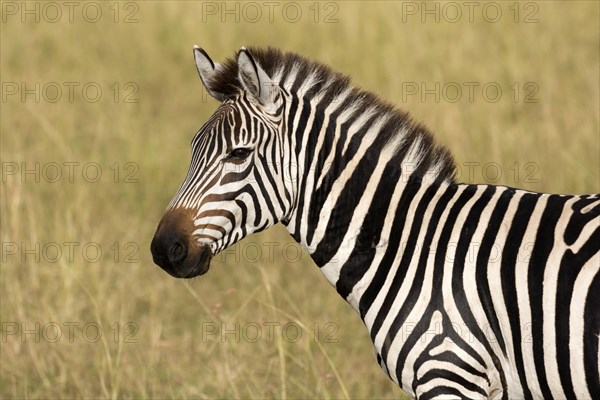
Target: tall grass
(550, 145)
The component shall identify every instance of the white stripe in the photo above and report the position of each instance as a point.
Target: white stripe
(549, 302)
(581, 289)
(494, 277)
(523, 301)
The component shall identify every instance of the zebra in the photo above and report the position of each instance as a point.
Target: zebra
(467, 290)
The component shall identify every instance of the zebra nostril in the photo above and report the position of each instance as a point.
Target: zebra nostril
(177, 252)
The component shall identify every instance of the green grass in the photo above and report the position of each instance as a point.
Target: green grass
(558, 136)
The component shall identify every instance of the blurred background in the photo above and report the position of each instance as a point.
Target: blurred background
(100, 101)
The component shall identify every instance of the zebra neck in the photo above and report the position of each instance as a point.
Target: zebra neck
(352, 235)
(356, 167)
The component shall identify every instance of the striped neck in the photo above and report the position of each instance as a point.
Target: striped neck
(356, 156)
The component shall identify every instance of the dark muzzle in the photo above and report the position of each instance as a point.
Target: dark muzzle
(173, 248)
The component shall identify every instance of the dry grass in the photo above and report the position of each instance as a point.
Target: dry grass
(558, 135)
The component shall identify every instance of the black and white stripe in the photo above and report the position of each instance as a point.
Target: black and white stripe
(468, 291)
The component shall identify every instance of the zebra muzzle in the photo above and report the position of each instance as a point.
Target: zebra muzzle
(174, 250)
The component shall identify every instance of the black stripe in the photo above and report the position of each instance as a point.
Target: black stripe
(300, 132)
(591, 334)
(483, 257)
(579, 219)
(257, 206)
(394, 245)
(364, 250)
(452, 358)
(518, 227)
(570, 267)
(535, 281)
(244, 214)
(452, 377)
(443, 391)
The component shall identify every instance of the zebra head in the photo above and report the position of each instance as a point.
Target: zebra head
(238, 181)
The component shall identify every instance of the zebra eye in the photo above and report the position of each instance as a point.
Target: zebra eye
(239, 154)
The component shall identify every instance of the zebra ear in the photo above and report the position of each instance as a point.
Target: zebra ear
(255, 80)
(206, 69)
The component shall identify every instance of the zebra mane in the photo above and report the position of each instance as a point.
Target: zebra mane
(305, 77)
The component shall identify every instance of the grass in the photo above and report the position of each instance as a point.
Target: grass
(550, 145)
